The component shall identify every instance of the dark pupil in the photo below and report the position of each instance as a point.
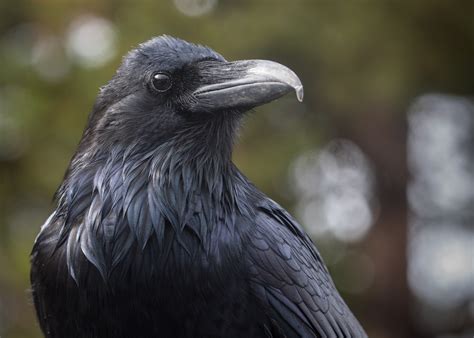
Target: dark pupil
(161, 82)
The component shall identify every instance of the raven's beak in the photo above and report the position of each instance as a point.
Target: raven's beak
(243, 84)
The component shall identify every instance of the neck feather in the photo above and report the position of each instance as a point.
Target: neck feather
(187, 185)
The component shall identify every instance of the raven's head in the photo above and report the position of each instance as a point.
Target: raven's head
(157, 148)
(167, 86)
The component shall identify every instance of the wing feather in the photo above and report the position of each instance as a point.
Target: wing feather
(289, 275)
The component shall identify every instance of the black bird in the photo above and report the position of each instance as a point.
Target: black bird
(158, 234)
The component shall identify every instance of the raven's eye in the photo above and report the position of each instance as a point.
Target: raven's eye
(161, 82)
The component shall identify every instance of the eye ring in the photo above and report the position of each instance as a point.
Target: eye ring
(161, 82)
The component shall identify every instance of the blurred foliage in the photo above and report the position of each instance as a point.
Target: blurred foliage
(361, 62)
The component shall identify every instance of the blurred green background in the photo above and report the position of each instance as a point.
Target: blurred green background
(377, 163)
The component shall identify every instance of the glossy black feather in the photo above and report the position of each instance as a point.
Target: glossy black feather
(290, 275)
(157, 233)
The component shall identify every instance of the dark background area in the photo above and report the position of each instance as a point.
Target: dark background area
(377, 163)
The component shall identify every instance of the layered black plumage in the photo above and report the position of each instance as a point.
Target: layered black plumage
(158, 234)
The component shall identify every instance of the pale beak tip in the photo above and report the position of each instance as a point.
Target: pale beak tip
(299, 93)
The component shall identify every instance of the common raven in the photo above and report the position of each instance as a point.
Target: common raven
(157, 233)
